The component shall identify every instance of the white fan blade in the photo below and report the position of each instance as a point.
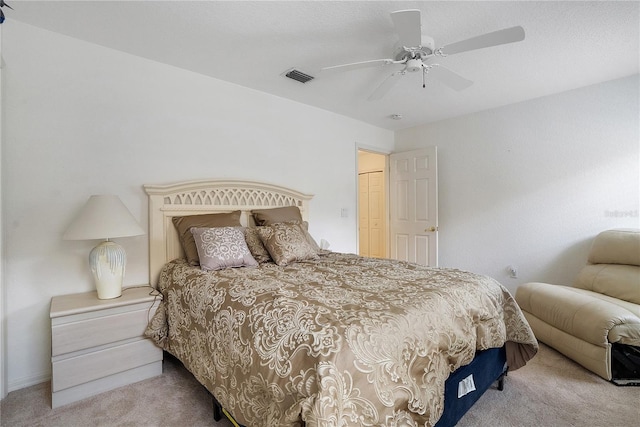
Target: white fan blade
(362, 64)
(453, 80)
(508, 35)
(386, 85)
(408, 27)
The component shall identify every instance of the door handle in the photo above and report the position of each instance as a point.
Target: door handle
(430, 229)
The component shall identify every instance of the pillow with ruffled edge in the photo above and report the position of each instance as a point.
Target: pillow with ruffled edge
(222, 247)
(286, 243)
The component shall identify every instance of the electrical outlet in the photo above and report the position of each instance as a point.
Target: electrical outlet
(513, 272)
(344, 213)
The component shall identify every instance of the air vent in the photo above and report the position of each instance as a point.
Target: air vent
(298, 75)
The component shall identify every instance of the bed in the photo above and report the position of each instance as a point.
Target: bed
(324, 339)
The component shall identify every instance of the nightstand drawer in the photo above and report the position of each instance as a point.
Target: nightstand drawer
(88, 367)
(74, 336)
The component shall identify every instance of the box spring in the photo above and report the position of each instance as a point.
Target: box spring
(486, 368)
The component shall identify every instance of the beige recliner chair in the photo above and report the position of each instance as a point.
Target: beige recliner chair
(600, 310)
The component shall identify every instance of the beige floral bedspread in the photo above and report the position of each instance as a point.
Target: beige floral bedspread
(341, 341)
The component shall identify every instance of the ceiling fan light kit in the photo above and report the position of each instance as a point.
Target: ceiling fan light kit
(414, 65)
(417, 52)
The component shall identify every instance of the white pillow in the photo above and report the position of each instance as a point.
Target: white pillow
(222, 247)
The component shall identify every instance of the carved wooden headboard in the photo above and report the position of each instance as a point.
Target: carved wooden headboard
(202, 197)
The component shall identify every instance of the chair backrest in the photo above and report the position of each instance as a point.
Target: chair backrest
(616, 247)
(613, 267)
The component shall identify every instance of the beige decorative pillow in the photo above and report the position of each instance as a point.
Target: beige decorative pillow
(184, 224)
(275, 215)
(222, 247)
(257, 249)
(305, 229)
(286, 243)
(310, 239)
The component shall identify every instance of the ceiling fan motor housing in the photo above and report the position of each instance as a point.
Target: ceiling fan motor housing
(416, 53)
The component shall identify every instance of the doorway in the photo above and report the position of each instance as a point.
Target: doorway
(372, 204)
(398, 205)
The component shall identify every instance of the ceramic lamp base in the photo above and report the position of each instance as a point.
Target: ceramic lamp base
(107, 262)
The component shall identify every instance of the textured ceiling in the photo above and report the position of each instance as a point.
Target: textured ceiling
(567, 45)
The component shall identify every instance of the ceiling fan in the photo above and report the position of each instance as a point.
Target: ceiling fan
(417, 53)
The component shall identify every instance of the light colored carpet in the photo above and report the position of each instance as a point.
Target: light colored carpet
(550, 391)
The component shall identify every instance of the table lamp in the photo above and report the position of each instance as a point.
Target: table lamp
(105, 217)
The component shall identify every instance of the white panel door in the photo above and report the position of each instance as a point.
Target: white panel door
(413, 202)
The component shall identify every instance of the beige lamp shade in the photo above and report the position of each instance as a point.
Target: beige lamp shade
(105, 217)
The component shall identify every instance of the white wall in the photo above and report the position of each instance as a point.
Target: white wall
(531, 184)
(81, 119)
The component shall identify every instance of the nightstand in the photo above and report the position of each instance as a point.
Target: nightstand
(98, 345)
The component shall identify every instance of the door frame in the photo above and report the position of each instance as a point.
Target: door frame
(375, 150)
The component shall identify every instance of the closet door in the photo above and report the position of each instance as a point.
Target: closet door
(363, 209)
(372, 239)
(376, 215)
